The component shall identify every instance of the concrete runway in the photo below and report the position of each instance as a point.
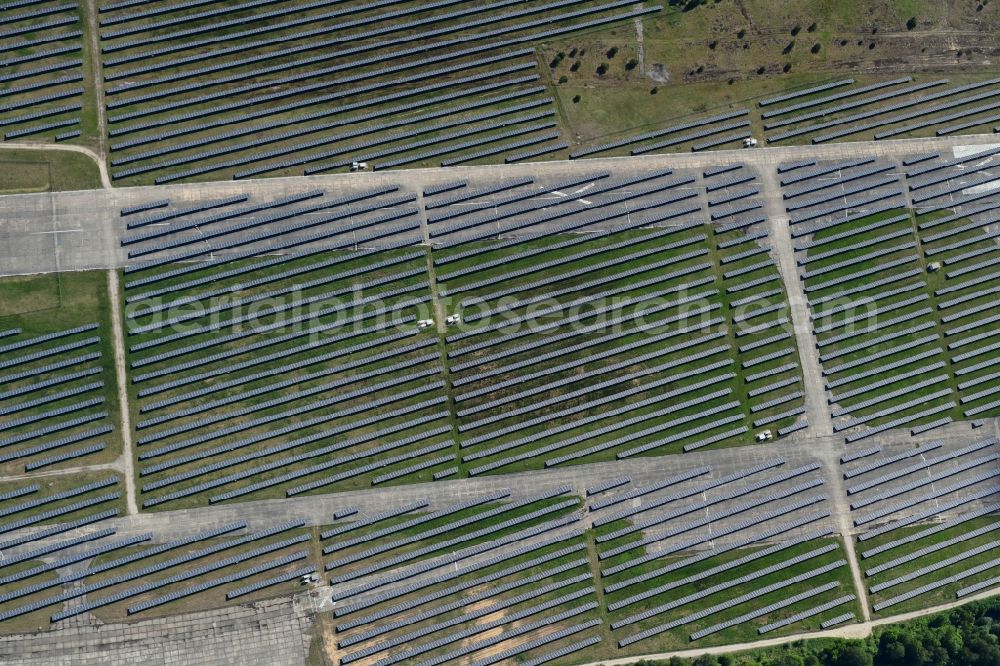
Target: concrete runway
(80, 230)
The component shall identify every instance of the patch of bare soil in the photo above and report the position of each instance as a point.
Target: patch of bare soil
(658, 72)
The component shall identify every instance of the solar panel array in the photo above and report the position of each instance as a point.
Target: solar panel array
(854, 314)
(694, 136)
(703, 123)
(901, 106)
(529, 576)
(34, 513)
(43, 408)
(308, 350)
(876, 319)
(194, 457)
(959, 236)
(219, 64)
(216, 582)
(962, 497)
(525, 381)
(205, 167)
(667, 604)
(194, 557)
(41, 69)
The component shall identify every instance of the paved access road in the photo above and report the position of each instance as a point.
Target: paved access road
(80, 230)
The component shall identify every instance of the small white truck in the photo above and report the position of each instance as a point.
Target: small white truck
(764, 436)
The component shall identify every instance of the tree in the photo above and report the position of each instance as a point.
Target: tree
(575, 66)
(788, 49)
(812, 27)
(853, 654)
(796, 30)
(631, 64)
(602, 69)
(653, 91)
(576, 99)
(741, 34)
(787, 68)
(815, 48)
(563, 79)
(911, 23)
(612, 52)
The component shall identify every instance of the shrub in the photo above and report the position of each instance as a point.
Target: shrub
(816, 48)
(576, 99)
(602, 69)
(911, 23)
(612, 52)
(654, 91)
(788, 48)
(631, 64)
(796, 30)
(741, 34)
(812, 27)
(575, 66)
(712, 44)
(787, 68)
(563, 79)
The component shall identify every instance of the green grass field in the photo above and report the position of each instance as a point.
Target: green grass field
(29, 171)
